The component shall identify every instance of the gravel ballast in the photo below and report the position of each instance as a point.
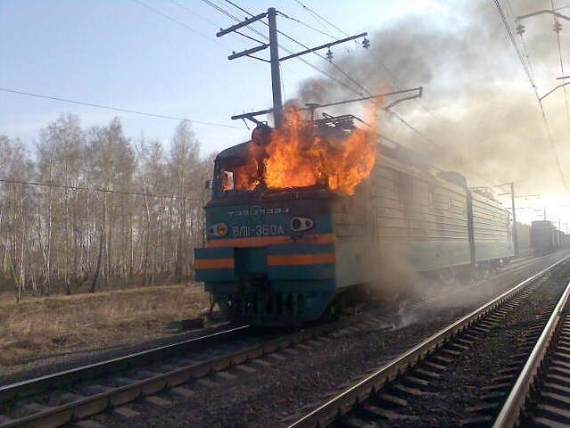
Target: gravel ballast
(300, 379)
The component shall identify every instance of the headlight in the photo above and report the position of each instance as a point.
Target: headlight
(218, 229)
(298, 224)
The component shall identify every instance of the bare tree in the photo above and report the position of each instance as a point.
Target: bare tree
(184, 162)
(15, 210)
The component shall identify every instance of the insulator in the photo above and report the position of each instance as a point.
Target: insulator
(557, 27)
(520, 29)
(365, 43)
(329, 55)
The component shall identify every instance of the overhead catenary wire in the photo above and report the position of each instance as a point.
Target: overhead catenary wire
(530, 77)
(557, 30)
(397, 83)
(316, 68)
(176, 21)
(119, 109)
(401, 119)
(397, 116)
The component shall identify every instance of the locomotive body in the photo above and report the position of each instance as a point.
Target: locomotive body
(283, 256)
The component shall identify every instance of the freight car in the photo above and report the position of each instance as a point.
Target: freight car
(278, 256)
(546, 238)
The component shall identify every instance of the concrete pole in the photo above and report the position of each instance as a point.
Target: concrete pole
(515, 234)
(275, 72)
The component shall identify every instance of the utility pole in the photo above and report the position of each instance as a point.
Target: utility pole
(515, 233)
(275, 72)
(275, 60)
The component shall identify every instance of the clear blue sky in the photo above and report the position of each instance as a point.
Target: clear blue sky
(121, 53)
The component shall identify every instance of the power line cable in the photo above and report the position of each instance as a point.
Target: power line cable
(312, 12)
(302, 45)
(401, 119)
(123, 110)
(187, 9)
(557, 30)
(176, 21)
(92, 189)
(528, 72)
(397, 83)
(309, 26)
(316, 68)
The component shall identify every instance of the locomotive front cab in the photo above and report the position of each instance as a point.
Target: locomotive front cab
(269, 257)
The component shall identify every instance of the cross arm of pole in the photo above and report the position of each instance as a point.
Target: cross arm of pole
(251, 115)
(248, 52)
(246, 22)
(326, 45)
(557, 87)
(528, 15)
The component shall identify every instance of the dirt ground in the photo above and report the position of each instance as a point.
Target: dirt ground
(42, 326)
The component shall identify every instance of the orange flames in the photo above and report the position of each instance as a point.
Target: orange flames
(295, 157)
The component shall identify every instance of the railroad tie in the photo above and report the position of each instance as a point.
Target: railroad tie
(386, 413)
(277, 356)
(245, 368)
(546, 422)
(226, 375)
(159, 401)
(560, 414)
(183, 392)
(427, 373)
(125, 412)
(477, 421)
(88, 424)
(556, 387)
(208, 383)
(392, 400)
(415, 381)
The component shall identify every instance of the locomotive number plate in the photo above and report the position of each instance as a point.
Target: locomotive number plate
(259, 230)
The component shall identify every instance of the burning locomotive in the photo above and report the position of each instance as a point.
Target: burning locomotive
(303, 217)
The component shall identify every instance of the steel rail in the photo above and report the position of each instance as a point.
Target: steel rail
(84, 407)
(512, 410)
(16, 391)
(358, 393)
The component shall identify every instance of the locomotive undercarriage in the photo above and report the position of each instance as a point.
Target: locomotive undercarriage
(254, 300)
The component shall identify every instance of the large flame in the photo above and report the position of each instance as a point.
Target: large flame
(296, 157)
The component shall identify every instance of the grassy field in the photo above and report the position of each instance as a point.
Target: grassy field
(40, 326)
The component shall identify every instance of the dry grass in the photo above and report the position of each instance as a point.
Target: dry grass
(39, 326)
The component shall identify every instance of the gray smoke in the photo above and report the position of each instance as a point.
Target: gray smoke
(483, 119)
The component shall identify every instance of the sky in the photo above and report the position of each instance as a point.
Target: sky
(479, 114)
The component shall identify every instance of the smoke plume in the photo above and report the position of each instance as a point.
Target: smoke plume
(479, 115)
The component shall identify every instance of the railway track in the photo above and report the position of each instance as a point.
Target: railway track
(77, 394)
(541, 394)
(52, 400)
(74, 395)
(463, 375)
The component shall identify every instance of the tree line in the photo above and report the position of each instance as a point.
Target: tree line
(85, 208)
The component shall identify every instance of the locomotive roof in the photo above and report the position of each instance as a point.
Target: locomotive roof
(236, 151)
